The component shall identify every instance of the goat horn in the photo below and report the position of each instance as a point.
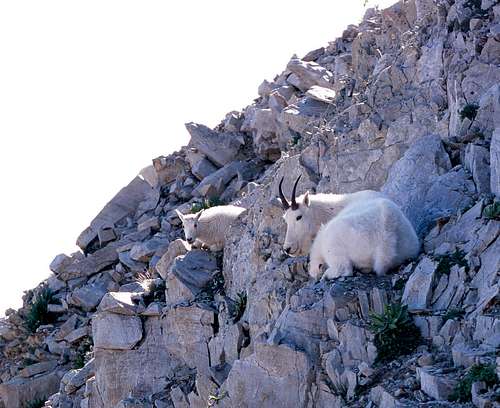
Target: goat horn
(284, 201)
(294, 203)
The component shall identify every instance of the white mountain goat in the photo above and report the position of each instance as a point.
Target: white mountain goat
(305, 215)
(369, 235)
(209, 227)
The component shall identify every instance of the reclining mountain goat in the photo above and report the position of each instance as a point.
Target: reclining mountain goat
(209, 227)
(306, 213)
(365, 230)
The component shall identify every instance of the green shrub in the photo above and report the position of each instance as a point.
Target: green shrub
(206, 203)
(36, 403)
(492, 211)
(395, 332)
(240, 305)
(38, 313)
(469, 111)
(478, 372)
(83, 353)
(447, 261)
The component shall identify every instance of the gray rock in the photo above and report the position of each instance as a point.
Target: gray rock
(18, 391)
(168, 168)
(119, 303)
(121, 205)
(434, 384)
(321, 94)
(421, 184)
(195, 269)
(175, 248)
(477, 161)
(495, 162)
(38, 368)
(75, 379)
(143, 251)
(116, 332)
(418, 290)
(88, 297)
(220, 148)
(307, 74)
(77, 334)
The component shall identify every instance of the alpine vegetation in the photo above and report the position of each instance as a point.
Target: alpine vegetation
(209, 227)
(368, 235)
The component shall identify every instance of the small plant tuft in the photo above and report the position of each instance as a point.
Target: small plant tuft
(492, 211)
(239, 307)
(447, 261)
(214, 399)
(36, 403)
(84, 352)
(469, 111)
(206, 203)
(452, 314)
(395, 332)
(478, 372)
(38, 313)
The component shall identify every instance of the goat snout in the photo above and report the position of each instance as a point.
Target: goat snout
(190, 240)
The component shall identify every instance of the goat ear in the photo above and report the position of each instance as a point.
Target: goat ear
(306, 199)
(179, 214)
(199, 215)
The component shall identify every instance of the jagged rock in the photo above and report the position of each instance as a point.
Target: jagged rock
(263, 123)
(88, 297)
(435, 384)
(418, 290)
(307, 74)
(119, 303)
(143, 251)
(38, 368)
(17, 391)
(477, 161)
(77, 334)
(118, 332)
(220, 148)
(215, 184)
(421, 184)
(303, 113)
(175, 248)
(495, 162)
(74, 379)
(278, 372)
(121, 205)
(321, 94)
(194, 270)
(168, 168)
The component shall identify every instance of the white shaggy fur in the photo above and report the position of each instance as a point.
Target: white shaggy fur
(369, 235)
(209, 227)
(313, 211)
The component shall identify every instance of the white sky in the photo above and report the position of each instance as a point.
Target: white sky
(91, 91)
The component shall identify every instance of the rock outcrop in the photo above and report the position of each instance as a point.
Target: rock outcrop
(408, 103)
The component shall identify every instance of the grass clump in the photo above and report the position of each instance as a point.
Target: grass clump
(38, 313)
(447, 261)
(214, 399)
(478, 372)
(469, 111)
(492, 211)
(395, 332)
(35, 403)
(206, 203)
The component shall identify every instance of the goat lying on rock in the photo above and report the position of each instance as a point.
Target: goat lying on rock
(209, 227)
(369, 235)
(305, 215)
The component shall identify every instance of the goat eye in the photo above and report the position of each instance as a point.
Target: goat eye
(299, 217)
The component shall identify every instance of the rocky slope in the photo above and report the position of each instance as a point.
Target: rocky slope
(408, 103)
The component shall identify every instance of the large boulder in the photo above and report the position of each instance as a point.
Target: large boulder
(423, 185)
(220, 148)
(116, 331)
(123, 204)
